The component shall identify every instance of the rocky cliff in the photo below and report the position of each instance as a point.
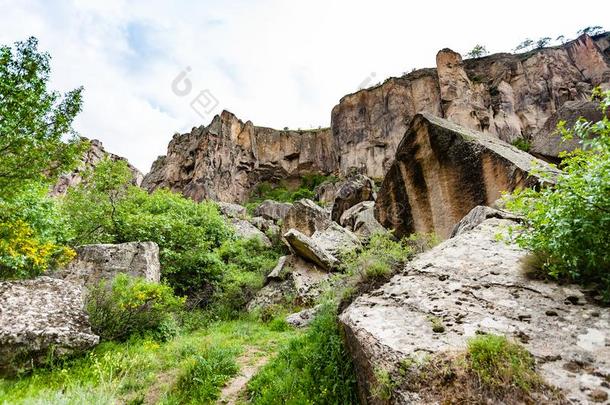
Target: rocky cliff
(507, 96)
(92, 156)
(226, 159)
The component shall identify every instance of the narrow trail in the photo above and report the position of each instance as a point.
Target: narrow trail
(249, 363)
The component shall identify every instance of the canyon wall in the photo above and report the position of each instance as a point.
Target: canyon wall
(505, 95)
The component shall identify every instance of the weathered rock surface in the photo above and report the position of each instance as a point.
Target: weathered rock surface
(354, 190)
(273, 210)
(292, 279)
(306, 217)
(361, 220)
(477, 216)
(548, 143)
(310, 250)
(246, 230)
(335, 239)
(509, 96)
(224, 160)
(37, 316)
(302, 318)
(94, 263)
(442, 171)
(472, 283)
(92, 156)
(232, 210)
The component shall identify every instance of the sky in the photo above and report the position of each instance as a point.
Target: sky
(152, 68)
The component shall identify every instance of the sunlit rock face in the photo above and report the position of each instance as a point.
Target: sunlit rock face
(226, 159)
(509, 96)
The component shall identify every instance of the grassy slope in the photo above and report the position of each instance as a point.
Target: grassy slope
(190, 368)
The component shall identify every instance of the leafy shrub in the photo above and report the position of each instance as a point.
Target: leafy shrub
(567, 225)
(32, 234)
(499, 363)
(203, 377)
(130, 305)
(522, 144)
(312, 368)
(281, 192)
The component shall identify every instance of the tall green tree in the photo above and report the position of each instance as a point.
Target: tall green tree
(37, 141)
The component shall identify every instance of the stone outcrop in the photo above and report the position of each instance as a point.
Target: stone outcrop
(306, 217)
(442, 171)
(509, 96)
(246, 230)
(361, 220)
(273, 210)
(230, 210)
(38, 316)
(474, 283)
(94, 263)
(92, 156)
(302, 318)
(292, 279)
(226, 159)
(478, 215)
(548, 143)
(310, 250)
(352, 191)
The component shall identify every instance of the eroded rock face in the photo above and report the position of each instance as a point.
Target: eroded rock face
(306, 217)
(273, 210)
(474, 283)
(548, 143)
(232, 210)
(509, 96)
(246, 230)
(360, 219)
(442, 171)
(310, 250)
(224, 160)
(37, 316)
(92, 156)
(94, 263)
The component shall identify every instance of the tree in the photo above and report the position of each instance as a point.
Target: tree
(561, 39)
(477, 52)
(567, 226)
(33, 120)
(594, 30)
(525, 45)
(543, 42)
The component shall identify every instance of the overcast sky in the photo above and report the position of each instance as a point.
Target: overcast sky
(276, 63)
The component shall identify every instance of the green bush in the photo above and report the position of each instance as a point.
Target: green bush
(281, 192)
(206, 373)
(567, 226)
(499, 363)
(32, 234)
(130, 305)
(312, 368)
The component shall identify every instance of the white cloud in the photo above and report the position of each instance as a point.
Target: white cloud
(273, 62)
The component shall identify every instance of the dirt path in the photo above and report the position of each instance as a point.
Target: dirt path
(249, 363)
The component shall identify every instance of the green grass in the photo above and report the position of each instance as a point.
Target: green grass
(500, 363)
(313, 368)
(190, 368)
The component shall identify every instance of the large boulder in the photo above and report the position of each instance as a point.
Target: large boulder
(293, 279)
(361, 220)
(336, 239)
(310, 250)
(548, 142)
(246, 230)
(442, 171)
(273, 210)
(474, 283)
(354, 190)
(478, 215)
(94, 263)
(40, 317)
(231, 210)
(306, 217)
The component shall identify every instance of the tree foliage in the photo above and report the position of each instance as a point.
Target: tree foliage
(567, 226)
(477, 52)
(33, 120)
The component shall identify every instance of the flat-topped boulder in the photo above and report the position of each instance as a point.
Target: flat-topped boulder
(38, 317)
(355, 189)
(97, 262)
(470, 284)
(441, 171)
(272, 210)
(306, 217)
